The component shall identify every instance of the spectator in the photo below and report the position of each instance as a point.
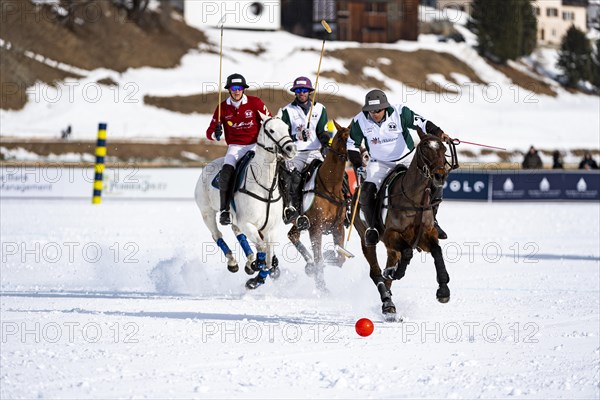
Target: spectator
(532, 159)
(65, 133)
(557, 162)
(588, 162)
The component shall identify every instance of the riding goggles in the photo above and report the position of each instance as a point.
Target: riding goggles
(236, 88)
(302, 90)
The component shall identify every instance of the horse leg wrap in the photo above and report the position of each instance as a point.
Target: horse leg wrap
(304, 252)
(384, 293)
(223, 246)
(244, 243)
(261, 260)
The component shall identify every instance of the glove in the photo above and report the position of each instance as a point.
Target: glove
(364, 154)
(361, 174)
(445, 138)
(324, 139)
(305, 134)
(218, 132)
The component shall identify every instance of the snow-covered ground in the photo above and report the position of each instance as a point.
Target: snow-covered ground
(132, 299)
(498, 113)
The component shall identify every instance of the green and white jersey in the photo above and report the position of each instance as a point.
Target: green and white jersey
(392, 140)
(293, 115)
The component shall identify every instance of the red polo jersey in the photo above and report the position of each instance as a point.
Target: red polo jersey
(240, 125)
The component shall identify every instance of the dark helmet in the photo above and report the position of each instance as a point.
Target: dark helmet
(302, 82)
(236, 80)
(375, 100)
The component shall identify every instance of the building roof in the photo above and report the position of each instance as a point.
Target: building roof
(581, 3)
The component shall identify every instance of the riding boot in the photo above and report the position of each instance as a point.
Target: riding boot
(436, 198)
(225, 189)
(367, 205)
(302, 222)
(285, 187)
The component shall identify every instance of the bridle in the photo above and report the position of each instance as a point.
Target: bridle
(429, 169)
(343, 156)
(277, 146)
(276, 149)
(423, 166)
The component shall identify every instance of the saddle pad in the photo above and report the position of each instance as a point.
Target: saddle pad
(383, 194)
(308, 191)
(240, 172)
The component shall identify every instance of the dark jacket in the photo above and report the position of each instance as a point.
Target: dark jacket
(588, 163)
(532, 160)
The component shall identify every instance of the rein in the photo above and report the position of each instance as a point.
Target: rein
(276, 149)
(428, 174)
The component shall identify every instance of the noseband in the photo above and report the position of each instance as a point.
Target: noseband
(277, 148)
(342, 156)
(429, 172)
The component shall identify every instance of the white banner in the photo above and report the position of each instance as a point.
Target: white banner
(126, 182)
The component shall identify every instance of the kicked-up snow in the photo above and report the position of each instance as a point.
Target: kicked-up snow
(133, 299)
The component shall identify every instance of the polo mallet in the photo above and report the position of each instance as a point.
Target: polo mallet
(222, 22)
(342, 250)
(328, 29)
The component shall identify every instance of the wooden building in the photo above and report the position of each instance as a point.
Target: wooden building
(364, 21)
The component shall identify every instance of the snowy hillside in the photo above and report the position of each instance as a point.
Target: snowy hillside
(498, 112)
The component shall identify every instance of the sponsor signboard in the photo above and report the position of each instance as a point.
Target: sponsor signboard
(466, 186)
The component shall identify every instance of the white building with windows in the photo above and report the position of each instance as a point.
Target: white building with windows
(555, 17)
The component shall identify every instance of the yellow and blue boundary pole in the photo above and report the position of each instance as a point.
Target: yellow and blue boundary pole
(99, 167)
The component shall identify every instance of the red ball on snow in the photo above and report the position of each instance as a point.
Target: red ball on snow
(364, 327)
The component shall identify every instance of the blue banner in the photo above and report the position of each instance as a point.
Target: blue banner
(545, 185)
(467, 186)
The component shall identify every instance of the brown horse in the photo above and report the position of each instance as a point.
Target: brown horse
(327, 212)
(409, 222)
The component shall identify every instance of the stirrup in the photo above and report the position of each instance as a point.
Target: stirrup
(441, 234)
(302, 223)
(371, 237)
(225, 217)
(289, 214)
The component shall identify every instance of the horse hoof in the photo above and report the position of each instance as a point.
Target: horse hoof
(388, 273)
(443, 294)
(255, 282)
(275, 272)
(249, 270)
(310, 269)
(233, 268)
(389, 310)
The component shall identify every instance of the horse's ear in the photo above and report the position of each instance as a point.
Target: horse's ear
(337, 126)
(279, 113)
(421, 133)
(263, 117)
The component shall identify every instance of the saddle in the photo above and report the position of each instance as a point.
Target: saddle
(309, 175)
(381, 199)
(240, 172)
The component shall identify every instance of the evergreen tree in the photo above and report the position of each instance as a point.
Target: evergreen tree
(575, 57)
(596, 66)
(506, 29)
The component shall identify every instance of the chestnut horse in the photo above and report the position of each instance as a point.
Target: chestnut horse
(409, 220)
(328, 209)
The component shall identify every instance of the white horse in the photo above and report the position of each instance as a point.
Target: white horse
(257, 205)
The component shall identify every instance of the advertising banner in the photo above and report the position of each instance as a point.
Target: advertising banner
(127, 182)
(467, 186)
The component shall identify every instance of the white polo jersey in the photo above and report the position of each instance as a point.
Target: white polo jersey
(294, 116)
(391, 140)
